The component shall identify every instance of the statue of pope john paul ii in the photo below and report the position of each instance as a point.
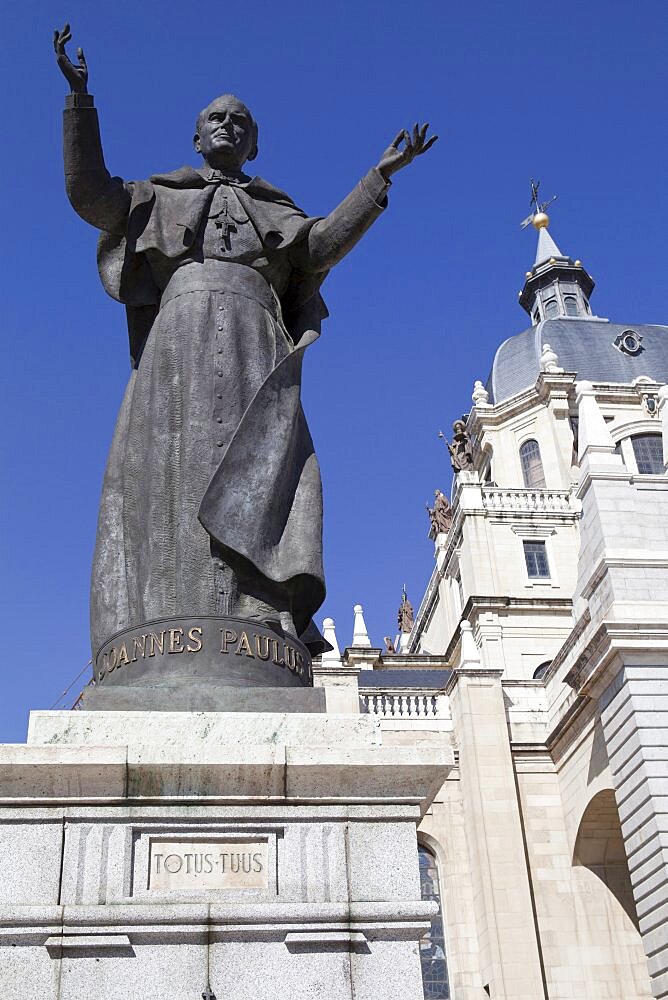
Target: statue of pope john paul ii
(211, 501)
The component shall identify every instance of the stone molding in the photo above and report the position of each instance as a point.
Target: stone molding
(623, 559)
(598, 663)
(76, 774)
(395, 920)
(473, 673)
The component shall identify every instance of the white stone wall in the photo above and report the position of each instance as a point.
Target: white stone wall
(634, 718)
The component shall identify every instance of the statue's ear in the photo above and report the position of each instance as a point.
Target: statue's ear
(196, 143)
(253, 152)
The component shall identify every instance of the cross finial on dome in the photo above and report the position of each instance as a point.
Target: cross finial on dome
(539, 218)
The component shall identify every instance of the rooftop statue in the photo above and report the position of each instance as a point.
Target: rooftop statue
(405, 615)
(460, 448)
(440, 515)
(211, 502)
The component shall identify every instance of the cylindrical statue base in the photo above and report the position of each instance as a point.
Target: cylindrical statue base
(212, 650)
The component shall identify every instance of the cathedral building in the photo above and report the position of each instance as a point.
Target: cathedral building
(539, 654)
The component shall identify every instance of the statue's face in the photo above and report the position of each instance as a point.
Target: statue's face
(226, 134)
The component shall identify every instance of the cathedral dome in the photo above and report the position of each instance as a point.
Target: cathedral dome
(596, 350)
(556, 296)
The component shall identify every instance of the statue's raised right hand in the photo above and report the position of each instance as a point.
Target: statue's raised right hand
(76, 76)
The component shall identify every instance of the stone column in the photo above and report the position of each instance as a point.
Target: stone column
(509, 956)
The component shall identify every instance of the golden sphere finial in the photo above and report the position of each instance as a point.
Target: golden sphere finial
(541, 220)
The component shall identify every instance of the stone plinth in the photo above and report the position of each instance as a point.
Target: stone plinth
(270, 853)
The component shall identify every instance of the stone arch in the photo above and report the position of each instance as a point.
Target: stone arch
(599, 847)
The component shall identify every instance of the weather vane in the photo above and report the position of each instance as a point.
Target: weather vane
(539, 217)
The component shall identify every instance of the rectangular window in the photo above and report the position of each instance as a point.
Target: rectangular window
(648, 450)
(536, 559)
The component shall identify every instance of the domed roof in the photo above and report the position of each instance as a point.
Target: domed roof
(588, 347)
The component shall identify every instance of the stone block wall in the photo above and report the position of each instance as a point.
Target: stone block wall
(634, 716)
(589, 945)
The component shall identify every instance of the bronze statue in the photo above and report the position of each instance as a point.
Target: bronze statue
(211, 502)
(440, 515)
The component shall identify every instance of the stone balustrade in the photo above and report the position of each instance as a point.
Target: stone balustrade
(539, 501)
(401, 704)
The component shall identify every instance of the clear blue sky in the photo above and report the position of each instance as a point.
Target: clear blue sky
(575, 96)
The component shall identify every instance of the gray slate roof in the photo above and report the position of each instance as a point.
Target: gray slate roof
(392, 679)
(582, 346)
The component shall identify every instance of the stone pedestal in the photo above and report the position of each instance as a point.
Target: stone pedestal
(147, 855)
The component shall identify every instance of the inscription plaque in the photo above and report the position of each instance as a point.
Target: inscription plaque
(194, 865)
(209, 649)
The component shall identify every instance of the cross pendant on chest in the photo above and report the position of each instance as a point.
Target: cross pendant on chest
(224, 226)
(208, 994)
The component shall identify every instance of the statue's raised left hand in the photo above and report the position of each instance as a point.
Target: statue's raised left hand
(394, 157)
(76, 76)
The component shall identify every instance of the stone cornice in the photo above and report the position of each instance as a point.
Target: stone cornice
(260, 920)
(588, 675)
(580, 627)
(486, 673)
(476, 606)
(61, 775)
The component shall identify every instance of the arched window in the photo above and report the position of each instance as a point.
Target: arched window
(571, 305)
(432, 946)
(532, 466)
(648, 451)
(551, 309)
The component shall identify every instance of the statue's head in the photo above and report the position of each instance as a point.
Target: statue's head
(459, 427)
(226, 133)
